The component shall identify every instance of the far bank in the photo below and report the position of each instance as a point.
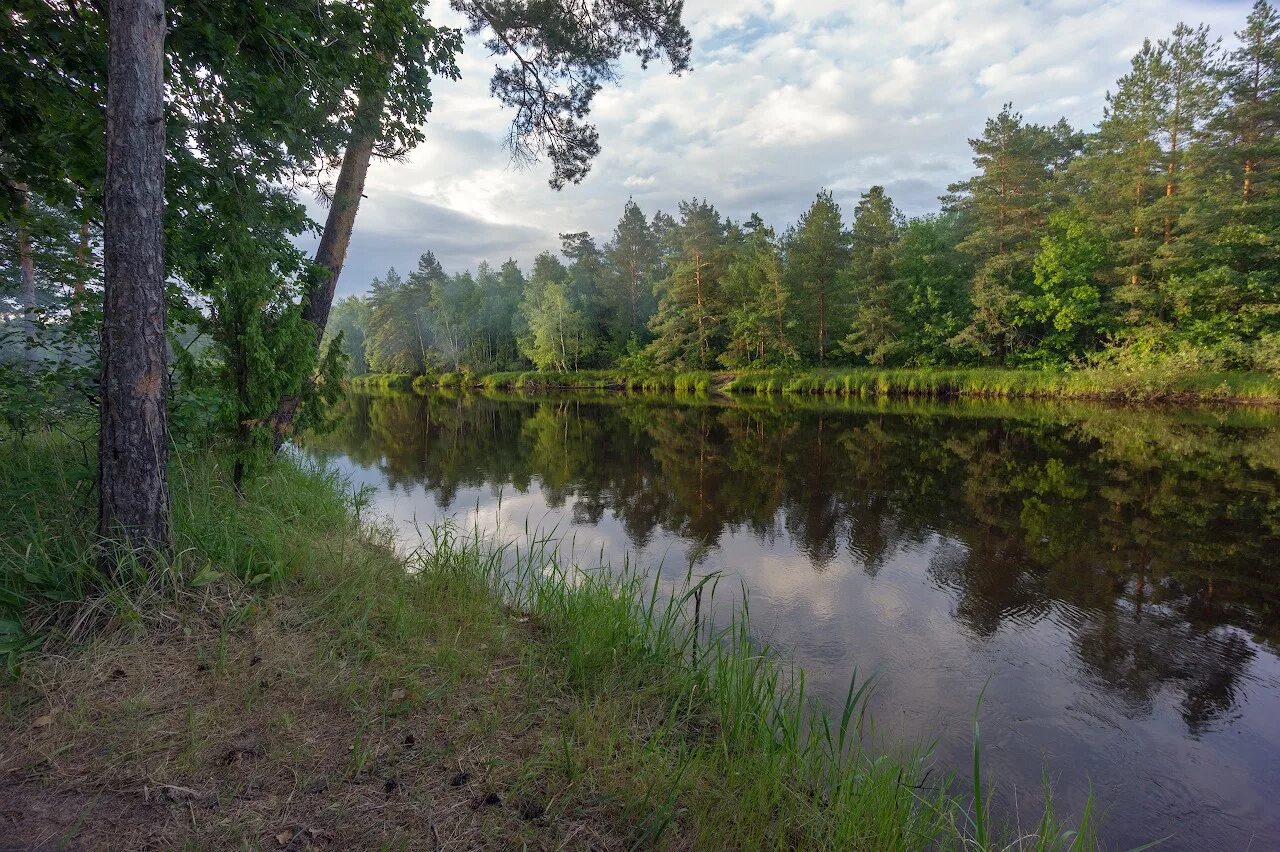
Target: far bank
(1149, 386)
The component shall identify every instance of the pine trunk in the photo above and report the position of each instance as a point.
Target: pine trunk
(133, 437)
(702, 335)
(822, 326)
(26, 261)
(334, 240)
(82, 270)
(336, 237)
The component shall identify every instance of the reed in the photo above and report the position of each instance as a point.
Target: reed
(1136, 385)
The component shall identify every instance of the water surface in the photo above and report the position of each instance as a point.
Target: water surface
(1111, 576)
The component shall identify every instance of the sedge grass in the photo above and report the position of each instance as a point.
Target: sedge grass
(1134, 385)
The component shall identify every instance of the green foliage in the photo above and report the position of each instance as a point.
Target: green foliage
(876, 315)
(818, 276)
(931, 281)
(689, 325)
(1068, 299)
(261, 349)
(556, 336)
(1005, 207)
(758, 302)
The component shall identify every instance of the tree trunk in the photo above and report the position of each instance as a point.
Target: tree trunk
(26, 262)
(82, 269)
(702, 335)
(822, 325)
(133, 437)
(335, 239)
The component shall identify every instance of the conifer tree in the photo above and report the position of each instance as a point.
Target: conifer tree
(587, 283)
(876, 312)
(1120, 178)
(396, 339)
(689, 323)
(1189, 96)
(757, 300)
(1006, 205)
(817, 269)
(632, 256)
(1224, 271)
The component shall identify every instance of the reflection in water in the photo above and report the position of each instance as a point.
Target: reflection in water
(1114, 574)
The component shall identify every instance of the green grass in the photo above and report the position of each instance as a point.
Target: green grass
(939, 383)
(1148, 384)
(383, 381)
(600, 695)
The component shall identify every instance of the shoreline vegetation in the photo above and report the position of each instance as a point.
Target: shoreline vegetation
(1154, 387)
(290, 680)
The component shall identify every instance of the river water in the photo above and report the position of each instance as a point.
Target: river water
(1111, 577)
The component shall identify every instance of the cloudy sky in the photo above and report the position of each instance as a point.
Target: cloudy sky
(785, 97)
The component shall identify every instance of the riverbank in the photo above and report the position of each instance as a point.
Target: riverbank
(289, 684)
(1146, 386)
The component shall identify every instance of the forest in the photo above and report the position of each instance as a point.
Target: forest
(211, 639)
(1152, 239)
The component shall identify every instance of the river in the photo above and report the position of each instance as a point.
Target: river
(1110, 577)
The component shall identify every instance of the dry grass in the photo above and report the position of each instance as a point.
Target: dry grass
(238, 727)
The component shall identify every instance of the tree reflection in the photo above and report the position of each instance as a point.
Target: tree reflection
(1152, 537)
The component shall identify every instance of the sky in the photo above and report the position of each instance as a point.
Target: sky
(785, 98)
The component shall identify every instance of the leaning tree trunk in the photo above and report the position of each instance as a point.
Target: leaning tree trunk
(334, 240)
(26, 262)
(336, 237)
(133, 438)
(82, 269)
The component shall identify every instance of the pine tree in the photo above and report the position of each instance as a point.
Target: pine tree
(758, 301)
(1006, 205)
(587, 289)
(133, 436)
(632, 256)
(1120, 176)
(1189, 95)
(1224, 271)
(817, 270)
(689, 323)
(876, 311)
(396, 341)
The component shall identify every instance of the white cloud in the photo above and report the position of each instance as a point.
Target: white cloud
(786, 97)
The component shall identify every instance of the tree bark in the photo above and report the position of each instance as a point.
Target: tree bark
(26, 262)
(334, 240)
(336, 237)
(133, 437)
(82, 270)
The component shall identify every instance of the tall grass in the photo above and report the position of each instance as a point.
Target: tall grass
(992, 383)
(746, 750)
(383, 381)
(1152, 384)
(50, 583)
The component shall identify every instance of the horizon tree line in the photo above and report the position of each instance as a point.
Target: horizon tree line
(1156, 237)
